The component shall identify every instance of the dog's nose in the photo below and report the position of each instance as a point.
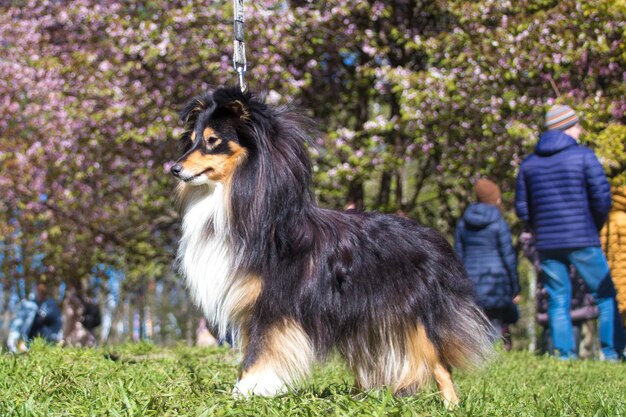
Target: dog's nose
(176, 169)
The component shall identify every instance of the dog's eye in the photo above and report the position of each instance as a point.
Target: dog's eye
(212, 141)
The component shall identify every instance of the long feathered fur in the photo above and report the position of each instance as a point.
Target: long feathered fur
(296, 280)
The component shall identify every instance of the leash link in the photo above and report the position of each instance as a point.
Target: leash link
(239, 50)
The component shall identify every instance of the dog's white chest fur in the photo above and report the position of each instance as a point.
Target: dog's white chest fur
(204, 256)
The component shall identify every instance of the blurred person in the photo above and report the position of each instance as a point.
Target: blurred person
(20, 325)
(583, 308)
(20, 312)
(40, 317)
(483, 241)
(48, 322)
(613, 238)
(562, 196)
(81, 316)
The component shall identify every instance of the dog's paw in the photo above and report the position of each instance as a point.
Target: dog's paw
(451, 404)
(251, 385)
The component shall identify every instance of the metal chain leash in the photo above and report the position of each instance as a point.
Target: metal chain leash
(239, 50)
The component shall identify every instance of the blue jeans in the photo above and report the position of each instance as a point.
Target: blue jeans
(592, 266)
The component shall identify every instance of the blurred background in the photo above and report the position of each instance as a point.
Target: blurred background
(414, 101)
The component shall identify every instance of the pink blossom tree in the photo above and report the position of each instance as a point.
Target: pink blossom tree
(414, 100)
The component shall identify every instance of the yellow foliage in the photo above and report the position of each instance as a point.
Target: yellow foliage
(610, 146)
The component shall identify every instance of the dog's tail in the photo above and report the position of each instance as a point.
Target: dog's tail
(466, 341)
(460, 331)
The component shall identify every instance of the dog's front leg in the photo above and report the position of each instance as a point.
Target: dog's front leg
(274, 360)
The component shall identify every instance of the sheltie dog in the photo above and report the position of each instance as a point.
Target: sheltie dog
(296, 281)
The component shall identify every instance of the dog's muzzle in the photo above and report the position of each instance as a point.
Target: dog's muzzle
(176, 169)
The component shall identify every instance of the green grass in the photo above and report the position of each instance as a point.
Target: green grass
(145, 380)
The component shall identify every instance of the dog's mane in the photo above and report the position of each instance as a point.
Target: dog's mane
(270, 195)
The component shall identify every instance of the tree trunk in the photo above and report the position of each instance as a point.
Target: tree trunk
(385, 190)
(398, 190)
(355, 195)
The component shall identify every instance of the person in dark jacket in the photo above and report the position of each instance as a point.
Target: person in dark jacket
(563, 197)
(483, 241)
(47, 322)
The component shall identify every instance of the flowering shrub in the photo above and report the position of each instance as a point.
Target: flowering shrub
(414, 101)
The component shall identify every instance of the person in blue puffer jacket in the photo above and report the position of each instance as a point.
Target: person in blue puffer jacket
(483, 241)
(563, 197)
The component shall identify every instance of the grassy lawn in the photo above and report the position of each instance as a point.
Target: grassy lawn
(144, 380)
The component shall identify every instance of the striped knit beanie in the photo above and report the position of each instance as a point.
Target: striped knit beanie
(560, 117)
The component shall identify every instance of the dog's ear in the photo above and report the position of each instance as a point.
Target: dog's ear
(238, 109)
(197, 105)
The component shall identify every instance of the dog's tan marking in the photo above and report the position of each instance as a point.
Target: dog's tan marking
(286, 357)
(419, 362)
(217, 167)
(211, 139)
(404, 359)
(197, 162)
(240, 109)
(446, 386)
(246, 293)
(239, 154)
(200, 106)
(208, 132)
